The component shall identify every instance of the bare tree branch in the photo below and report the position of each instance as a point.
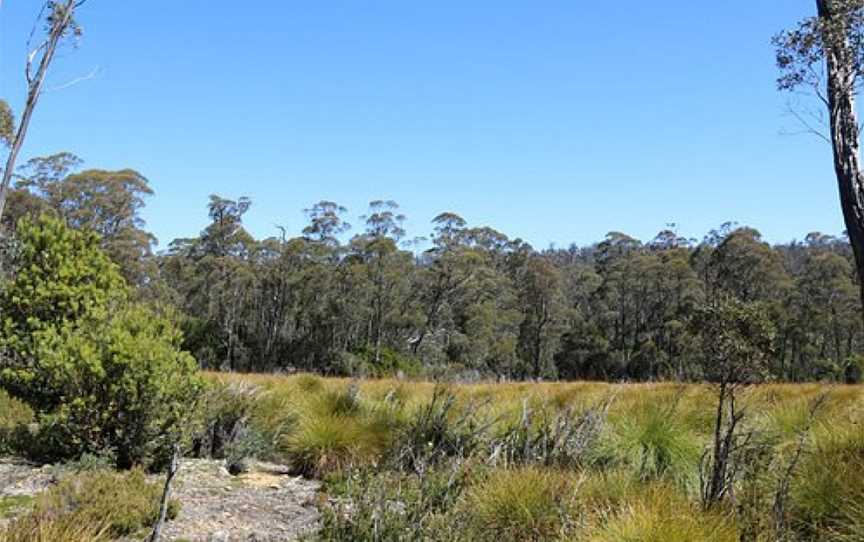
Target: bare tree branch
(61, 20)
(807, 124)
(92, 75)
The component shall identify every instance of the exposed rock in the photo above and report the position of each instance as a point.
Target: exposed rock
(18, 481)
(263, 504)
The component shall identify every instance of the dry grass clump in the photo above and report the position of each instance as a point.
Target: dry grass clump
(522, 504)
(35, 529)
(661, 514)
(91, 506)
(13, 415)
(827, 498)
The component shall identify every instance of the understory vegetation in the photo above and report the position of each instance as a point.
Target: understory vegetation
(516, 461)
(555, 461)
(91, 506)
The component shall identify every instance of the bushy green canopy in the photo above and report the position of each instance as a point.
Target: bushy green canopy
(102, 372)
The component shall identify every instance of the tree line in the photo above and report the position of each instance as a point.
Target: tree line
(470, 300)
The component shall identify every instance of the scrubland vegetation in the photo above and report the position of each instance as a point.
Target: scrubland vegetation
(517, 461)
(556, 461)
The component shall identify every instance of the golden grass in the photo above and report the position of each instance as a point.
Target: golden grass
(660, 514)
(523, 504)
(90, 506)
(640, 483)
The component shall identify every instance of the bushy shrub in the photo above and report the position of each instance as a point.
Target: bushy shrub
(13, 417)
(438, 430)
(376, 505)
(562, 439)
(853, 369)
(225, 429)
(100, 372)
(389, 363)
(98, 505)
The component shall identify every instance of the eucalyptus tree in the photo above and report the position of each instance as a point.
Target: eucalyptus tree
(824, 54)
(326, 223)
(108, 203)
(746, 267)
(447, 272)
(387, 270)
(542, 306)
(59, 22)
(213, 276)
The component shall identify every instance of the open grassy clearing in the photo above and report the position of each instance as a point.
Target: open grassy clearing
(587, 461)
(521, 461)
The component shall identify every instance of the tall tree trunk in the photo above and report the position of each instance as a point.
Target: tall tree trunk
(34, 90)
(844, 132)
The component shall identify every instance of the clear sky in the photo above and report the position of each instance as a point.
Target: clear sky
(551, 120)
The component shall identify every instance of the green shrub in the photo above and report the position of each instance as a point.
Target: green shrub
(562, 439)
(101, 505)
(101, 373)
(370, 504)
(853, 369)
(389, 363)
(225, 430)
(14, 415)
(437, 430)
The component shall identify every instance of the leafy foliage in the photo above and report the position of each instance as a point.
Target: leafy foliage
(100, 372)
(478, 303)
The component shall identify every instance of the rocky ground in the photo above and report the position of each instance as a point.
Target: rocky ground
(264, 504)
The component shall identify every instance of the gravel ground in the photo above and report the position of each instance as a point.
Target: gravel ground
(265, 504)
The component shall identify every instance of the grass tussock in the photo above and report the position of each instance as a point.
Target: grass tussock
(522, 504)
(586, 461)
(650, 439)
(827, 497)
(337, 429)
(661, 514)
(93, 506)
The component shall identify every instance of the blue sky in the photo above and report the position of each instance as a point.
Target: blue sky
(554, 121)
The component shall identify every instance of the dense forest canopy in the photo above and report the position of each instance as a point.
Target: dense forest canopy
(468, 300)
